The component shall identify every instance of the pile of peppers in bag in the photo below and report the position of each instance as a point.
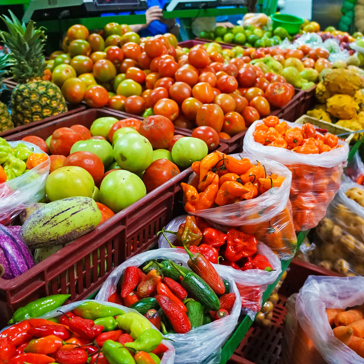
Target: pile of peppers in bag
(175, 298)
(235, 248)
(91, 333)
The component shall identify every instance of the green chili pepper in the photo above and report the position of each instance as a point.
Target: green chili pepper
(22, 152)
(116, 353)
(155, 358)
(92, 310)
(109, 323)
(5, 150)
(147, 341)
(134, 323)
(169, 271)
(14, 167)
(39, 307)
(150, 266)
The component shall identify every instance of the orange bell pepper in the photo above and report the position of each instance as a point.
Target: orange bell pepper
(35, 159)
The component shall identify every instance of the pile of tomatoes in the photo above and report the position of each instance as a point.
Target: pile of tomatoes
(153, 76)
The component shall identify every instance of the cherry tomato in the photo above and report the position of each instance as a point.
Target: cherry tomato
(117, 102)
(135, 105)
(179, 92)
(144, 60)
(135, 74)
(166, 107)
(203, 92)
(165, 82)
(234, 123)
(210, 115)
(96, 96)
(190, 107)
(157, 94)
(131, 50)
(226, 102)
(115, 55)
(167, 68)
(208, 135)
(250, 114)
(261, 104)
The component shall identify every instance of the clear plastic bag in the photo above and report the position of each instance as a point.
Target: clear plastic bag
(311, 39)
(355, 167)
(318, 294)
(25, 190)
(201, 345)
(341, 233)
(251, 298)
(315, 177)
(267, 217)
(258, 20)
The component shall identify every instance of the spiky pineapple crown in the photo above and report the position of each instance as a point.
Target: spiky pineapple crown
(4, 63)
(26, 44)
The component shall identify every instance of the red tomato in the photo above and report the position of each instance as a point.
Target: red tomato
(190, 107)
(309, 63)
(158, 129)
(99, 137)
(157, 94)
(226, 102)
(131, 123)
(131, 50)
(227, 84)
(208, 77)
(127, 63)
(39, 142)
(216, 66)
(258, 71)
(115, 55)
(182, 122)
(253, 92)
(135, 74)
(158, 173)
(279, 58)
(62, 141)
(312, 54)
(261, 83)
(210, 115)
(234, 123)
(278, 94)
(224, 136)
(203, 92)
(261, 104)
(245, 59)
(165, 82)
(216, 91)
(322, 53)
(117, 102)
(291, 89)
(208, 135)
(96, 96)
(167, 108)
(268, 76)
(82, 130)
(321, 64)
(56, 162)
(106, 213)
(219, 74)
(246, 77)
(304, 48)
(173, 141)
(153, 47)
(216, 57)
(230, 69)
(135, 105)
(198, 57)
(207, 69)
(88, 161)
(179, 92)
(167, 68)
(259, 53)
(294, 53)
(240, 102)
(187, 75)
(250, 114)
(151, 79)
(238, 62)
(144, 60)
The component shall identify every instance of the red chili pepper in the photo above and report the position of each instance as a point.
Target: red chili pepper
(230, 264)
(148, 285)
(160, 349)
(44, 345)
(35, 322)
(74, 343)
(98, 329)
(99, 358)
(203, 268)
(141, 274)
(7, 350)
(82, 327)
(202, 224)
(46, 330)
(31, 358)
(76, 356)
(125, 338)
(213, 237)
(90, 349)
(130, 280)
(65, 318)
(154, 317)
(115, 298)
(221, 314)
(131, 298)
(110, 335)
(143, 357)
(175, 287)
(18, 333)
(210, 253)
(163, 290)
(178, 318)
(19, 349)
(227, 301)
(239, 245)
(258, 262)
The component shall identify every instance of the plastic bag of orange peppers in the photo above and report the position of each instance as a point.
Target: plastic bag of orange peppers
(239, 191)
(315, 160)
(355, 169)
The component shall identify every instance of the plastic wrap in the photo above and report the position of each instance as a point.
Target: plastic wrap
(267, 217)
(355, 167)
(251, 299)
(25, 190)
(311, 39)
(201, 345)
(258, 20)
(341, 233)
(315, 177)
(318, 294)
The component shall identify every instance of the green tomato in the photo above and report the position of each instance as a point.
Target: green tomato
(129, 88)
(96, 194)
(258, 32)
(238, 29)
(102, 126)
(148, 112)
(162, 154)
(117, 80)
(113, 165)
(240, 38)
(48, 141)
(120, 189)
(121, 132)
(228, 37)
(188, 150)
(69, 181)
(101, 148)
(133, 152)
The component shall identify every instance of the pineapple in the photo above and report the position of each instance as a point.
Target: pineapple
(33, 99)
(5, 118)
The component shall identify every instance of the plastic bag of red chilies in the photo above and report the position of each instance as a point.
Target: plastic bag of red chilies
(315, 177)
(268, 217)
(251, 283)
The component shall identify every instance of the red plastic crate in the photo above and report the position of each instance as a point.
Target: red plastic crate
(263, 346)
(81, 267)
(191, 43)
(223, 44)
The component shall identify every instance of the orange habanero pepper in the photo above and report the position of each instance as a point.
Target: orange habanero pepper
(35, 159)
(206, 181)
(331, 140)
(293, 137)
(229, 192)
(271, 121)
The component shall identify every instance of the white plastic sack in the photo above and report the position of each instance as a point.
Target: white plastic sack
(355, 167)
(168, 356)
(319, 293)
(201, 345)
(25, 190)
(249, 278)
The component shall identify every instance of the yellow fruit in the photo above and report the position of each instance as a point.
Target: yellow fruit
(342, 106)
